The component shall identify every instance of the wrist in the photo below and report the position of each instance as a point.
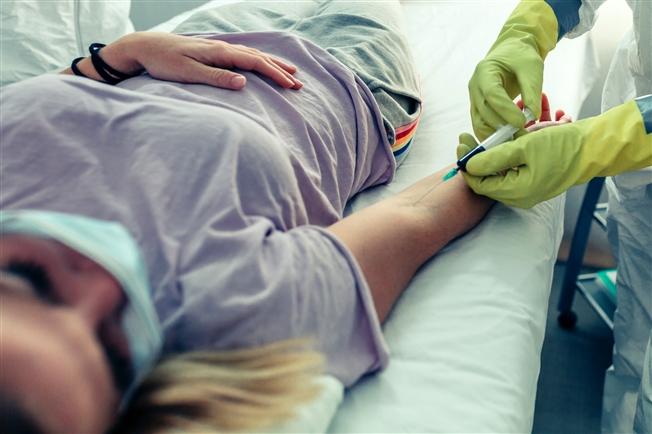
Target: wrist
(537, 19)
(619, 139)
(122, 54)
(111, 63)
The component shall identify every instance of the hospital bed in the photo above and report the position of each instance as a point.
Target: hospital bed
(466, 337)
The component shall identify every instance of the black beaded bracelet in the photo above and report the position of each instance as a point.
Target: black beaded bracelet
(108, 73)
(75, 68)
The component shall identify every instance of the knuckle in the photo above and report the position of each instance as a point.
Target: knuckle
(219, 75)
(259, 62)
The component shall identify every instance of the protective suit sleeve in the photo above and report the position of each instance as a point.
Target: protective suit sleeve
(567, 13)
(645, 106)
(575, 17)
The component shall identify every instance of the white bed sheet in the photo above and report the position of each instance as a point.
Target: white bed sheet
(466, 336)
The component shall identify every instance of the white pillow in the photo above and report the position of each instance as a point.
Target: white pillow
(315, 416)
(39, 36)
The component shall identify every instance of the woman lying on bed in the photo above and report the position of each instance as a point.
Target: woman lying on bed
(228, 204)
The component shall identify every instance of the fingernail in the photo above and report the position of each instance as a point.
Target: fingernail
(298, 84)
(238, 81)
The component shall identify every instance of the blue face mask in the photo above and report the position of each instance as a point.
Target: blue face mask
(111, 246)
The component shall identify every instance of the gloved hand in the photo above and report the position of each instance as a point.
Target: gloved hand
(543, 164)
(513, 65)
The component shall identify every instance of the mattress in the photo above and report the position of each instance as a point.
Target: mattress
(466, 336)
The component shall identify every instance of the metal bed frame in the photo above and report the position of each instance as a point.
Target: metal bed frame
(586, 284)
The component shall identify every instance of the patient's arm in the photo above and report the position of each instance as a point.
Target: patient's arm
(186, 59)
(393, 238)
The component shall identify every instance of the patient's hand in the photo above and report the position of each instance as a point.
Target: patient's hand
(545, 120)
(560, 119)
(186, 59)
(467, 142)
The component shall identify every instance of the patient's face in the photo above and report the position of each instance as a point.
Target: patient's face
(60, 335)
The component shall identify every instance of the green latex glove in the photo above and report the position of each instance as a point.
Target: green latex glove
(543, 164)
(513, 65)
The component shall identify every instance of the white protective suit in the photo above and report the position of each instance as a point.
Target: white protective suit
(627, 398)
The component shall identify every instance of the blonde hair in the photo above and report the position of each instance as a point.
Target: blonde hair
(224, 391)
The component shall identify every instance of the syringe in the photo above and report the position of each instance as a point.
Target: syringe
(502, 135)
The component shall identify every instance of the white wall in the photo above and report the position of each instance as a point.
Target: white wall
(148, 13)
(614, 19)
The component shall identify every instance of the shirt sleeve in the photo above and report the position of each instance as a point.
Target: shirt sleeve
(276, 285)
(575, 17)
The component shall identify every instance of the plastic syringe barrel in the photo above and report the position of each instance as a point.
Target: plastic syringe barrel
(501, 135)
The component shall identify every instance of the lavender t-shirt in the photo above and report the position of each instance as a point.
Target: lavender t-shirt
(227, 193)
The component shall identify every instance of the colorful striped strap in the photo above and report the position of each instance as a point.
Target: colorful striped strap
(403, 137)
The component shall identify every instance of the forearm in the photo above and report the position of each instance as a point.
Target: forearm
(393, 238)
(186, 59)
